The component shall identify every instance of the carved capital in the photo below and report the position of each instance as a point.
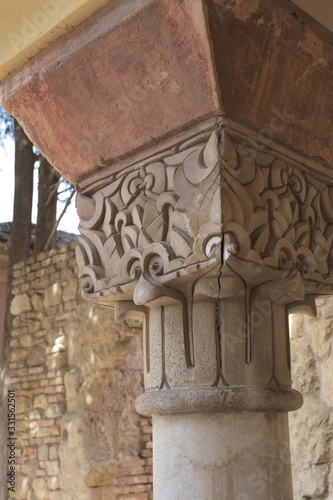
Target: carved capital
(153, 224)
(212, 242)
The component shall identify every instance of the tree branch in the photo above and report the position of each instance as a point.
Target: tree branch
(68, 202)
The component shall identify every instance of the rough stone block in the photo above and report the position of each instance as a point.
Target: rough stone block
(43, 452)
(36, 356)
(56, 361)
(53, 334)
(40, 488)
(52, 467)
(27, 340)
(35, 415)
(101, 473)
(16, 321)
(22, 404)
(20, 304)
(18, 355)
(327, 371)
(321, 334)
(53, 482)
(53, 453)
(53, 295)
(23, 483)
(40, 401)
(34, 326)
(54, 410)
(313, 482)
(37, 302)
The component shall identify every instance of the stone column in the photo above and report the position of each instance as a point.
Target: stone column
(210, 236)
(211, 242)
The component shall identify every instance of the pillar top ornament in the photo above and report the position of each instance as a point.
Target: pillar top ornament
(210, 208)
(211, 241)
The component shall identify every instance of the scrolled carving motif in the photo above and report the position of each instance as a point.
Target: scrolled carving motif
(275, 215)
(147, 225)
(155, 220)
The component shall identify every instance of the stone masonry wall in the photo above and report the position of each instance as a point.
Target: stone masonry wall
(76, 374)
(311, 427)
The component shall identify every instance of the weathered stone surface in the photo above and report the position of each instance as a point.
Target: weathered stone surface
(52, 467)
(313, 481)
(321, 336)
(53, 483)
(37, 302)
(40, 401)
(56, 361)
(70, 291)
(35, 356)
(327, 371)
(105, 395)
(43, 452)
(53, 334)
(33, 326)
(54, 410)
(53, 295)
(22, 404)
(101, 474)
(35, 414)
(27, 340)
(29, 469)
(40, 489)
(106, 435)
(311, 426)
(102, 350)
(18, 355)
(23, 484)
(20, 304)
(170, 62)
(264, 44)
(53, 454)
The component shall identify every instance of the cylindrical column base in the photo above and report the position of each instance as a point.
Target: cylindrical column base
(222, 456)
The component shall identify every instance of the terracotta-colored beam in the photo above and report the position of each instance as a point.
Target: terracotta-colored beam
(143, 70)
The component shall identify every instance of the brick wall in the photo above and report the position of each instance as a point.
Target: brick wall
(76, 374)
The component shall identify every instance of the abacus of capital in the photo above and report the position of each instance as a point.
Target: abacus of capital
(205, 196)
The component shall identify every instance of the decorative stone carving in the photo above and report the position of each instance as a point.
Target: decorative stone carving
(212, 243)
(149, 224)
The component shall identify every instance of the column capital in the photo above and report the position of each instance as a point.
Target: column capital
(216, 204)
(212, 240)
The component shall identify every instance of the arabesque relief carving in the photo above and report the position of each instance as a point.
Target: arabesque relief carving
(212, 243)
(150, 223)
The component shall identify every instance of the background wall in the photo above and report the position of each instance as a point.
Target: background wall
(77, 374)
(311, 427)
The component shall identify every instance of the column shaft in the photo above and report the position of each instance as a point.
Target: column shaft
(222, 456)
